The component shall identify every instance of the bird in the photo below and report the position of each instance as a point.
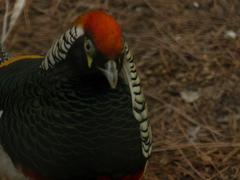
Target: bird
(79, 111)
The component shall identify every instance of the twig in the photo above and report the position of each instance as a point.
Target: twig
(198, 145)
(17, 10)
(5, 21)
(187, 117)
(191, 165)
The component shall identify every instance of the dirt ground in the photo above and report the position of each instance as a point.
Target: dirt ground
(187, 53)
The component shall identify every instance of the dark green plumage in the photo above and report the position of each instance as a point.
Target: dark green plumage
(61, 123)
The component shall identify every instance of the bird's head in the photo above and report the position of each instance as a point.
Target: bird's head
(99, 45)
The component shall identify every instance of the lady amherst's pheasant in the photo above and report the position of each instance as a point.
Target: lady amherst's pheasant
(78, 112)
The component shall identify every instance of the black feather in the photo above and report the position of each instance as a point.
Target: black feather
(61, 123)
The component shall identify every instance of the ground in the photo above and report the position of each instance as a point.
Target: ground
(187, 54)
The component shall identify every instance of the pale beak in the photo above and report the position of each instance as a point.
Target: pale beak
(111, 73)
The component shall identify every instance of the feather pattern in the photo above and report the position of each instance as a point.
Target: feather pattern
(67, 125)
(59, 49)
(139, 105)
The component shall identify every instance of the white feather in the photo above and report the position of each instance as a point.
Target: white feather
(133, 81)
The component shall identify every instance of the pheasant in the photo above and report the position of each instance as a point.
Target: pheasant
(78, 112)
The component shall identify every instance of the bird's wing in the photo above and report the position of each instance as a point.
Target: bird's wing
(139, 105)
(14, 71)
(9, 61)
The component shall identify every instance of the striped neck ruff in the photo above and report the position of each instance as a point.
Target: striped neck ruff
(60, 48)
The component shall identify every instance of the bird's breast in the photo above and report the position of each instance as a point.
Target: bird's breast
(73, 127)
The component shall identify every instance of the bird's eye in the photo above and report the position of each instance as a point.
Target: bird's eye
(89, 47)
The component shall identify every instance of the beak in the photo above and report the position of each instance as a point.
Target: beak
(111, 73)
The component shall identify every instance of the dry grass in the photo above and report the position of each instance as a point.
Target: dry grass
(181, 49)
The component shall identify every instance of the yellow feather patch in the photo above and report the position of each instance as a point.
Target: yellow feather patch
(19, 58)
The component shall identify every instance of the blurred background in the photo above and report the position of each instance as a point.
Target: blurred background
(187, 54)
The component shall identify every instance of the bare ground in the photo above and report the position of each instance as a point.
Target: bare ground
(187, 53)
